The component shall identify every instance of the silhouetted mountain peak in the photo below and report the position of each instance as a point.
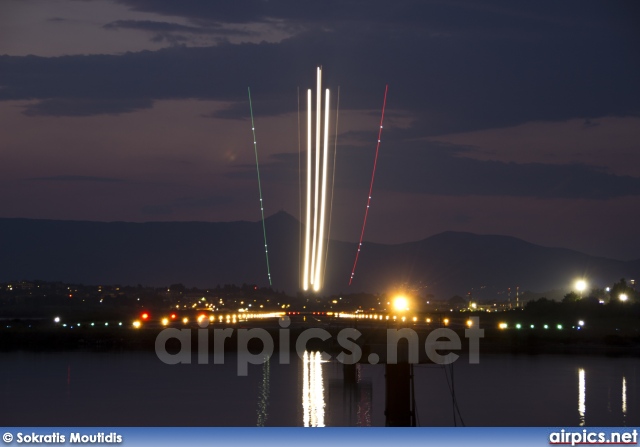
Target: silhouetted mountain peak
(281, 217)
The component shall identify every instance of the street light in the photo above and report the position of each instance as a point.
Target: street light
(623, 297)
(581, 286)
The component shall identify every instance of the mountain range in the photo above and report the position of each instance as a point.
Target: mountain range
(205, 254)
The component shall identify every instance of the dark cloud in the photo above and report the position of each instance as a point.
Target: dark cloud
(159, 27)
(174, 32)
(85, 106)
(78, 178)
(451, 15)
(589, 124)
(454, 67)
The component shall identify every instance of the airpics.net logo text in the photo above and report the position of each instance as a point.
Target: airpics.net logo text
(350, 351)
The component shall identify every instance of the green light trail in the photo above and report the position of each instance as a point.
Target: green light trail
(255, 148)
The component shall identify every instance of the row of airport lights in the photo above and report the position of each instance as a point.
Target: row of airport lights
(58, 320)
(559, 326)
(228, 318)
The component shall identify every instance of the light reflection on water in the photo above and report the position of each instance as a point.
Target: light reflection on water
(624, 395)
(582, 396)
(99, 389)
(313, 405)
(263, 396)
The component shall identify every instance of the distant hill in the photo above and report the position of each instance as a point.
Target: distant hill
(206, 254)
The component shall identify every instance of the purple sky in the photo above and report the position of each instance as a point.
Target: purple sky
(502, 118)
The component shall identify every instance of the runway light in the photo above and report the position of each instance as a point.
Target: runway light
(546, 326)
(581, 323)
(469, 323)
(559, 326)
(400, 303)
(503, 325)
(56, 320)
(144, 316)
(136, 324)
(518, 326)
(532, 326)
(165, 321)
(446, 321)
(185, 320)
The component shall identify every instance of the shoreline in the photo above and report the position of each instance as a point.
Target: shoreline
(371, 340)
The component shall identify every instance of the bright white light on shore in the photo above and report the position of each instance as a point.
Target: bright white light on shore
(623, 297)
(56, 320)
(400, 303)
(581, 285)
(581, 323)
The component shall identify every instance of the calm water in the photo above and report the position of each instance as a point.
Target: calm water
(116, 389)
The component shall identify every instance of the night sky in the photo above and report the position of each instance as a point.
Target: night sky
(520, 119)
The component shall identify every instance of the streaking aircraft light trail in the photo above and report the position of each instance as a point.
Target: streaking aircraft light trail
(317, 175)
(317, 179)
(373, 174)
(333, 180)
(307, 231)
(255, 148)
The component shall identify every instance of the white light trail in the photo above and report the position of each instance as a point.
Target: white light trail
(323, 203)
(317, 175)
(307, 231)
